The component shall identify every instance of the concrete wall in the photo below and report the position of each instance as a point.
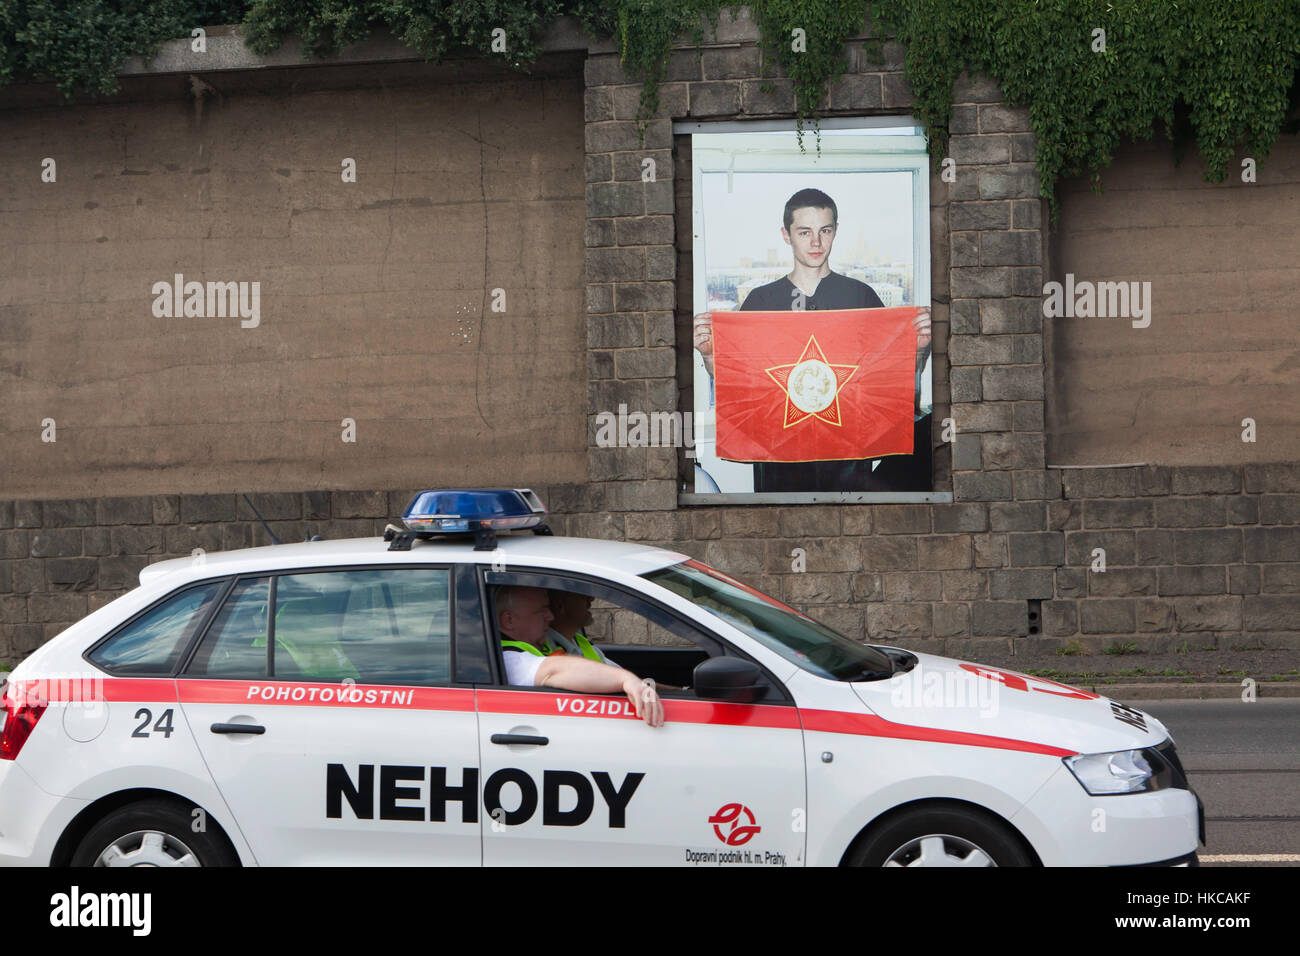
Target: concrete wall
(1005, 571)
(376, 299)
(1223, 261)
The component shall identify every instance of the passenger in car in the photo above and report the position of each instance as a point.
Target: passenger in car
(571, 613)
(523, 617)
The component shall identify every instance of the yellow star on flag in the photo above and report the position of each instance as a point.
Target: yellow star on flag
(811, 386)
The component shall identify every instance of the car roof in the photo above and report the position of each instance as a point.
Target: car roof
(528, 549)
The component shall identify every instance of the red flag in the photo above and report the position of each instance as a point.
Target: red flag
(814, 386)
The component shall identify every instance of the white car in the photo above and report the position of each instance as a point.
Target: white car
(367, 721)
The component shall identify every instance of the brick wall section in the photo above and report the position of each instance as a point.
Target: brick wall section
(62, 559)
(1204, 556)
(994, 240)
(1207, 556)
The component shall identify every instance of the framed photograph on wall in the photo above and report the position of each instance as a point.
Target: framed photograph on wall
(811, 338)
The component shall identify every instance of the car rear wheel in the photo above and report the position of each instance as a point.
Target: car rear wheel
(947, 836)
(152, 833)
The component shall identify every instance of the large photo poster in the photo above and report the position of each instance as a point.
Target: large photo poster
(811, 332)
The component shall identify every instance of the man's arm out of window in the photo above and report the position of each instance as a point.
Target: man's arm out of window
(565, 672)
(568, 672)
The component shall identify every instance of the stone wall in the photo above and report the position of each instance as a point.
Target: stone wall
(1207, 556)
(1203, 555)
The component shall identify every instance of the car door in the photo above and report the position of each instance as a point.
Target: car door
(332, 724)
(572, 778)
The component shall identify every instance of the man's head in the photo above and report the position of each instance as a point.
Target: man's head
(810, 223)
(572, 611)
(523, 614)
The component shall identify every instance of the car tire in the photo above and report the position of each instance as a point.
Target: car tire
(940, 836)
(153, 833)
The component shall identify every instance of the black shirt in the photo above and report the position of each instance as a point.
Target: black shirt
(834, 291)
(908, 472)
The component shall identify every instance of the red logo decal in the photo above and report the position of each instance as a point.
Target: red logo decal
(737, 832)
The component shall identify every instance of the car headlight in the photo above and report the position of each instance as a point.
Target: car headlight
(1125, 771)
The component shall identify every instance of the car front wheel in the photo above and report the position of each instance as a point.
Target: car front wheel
(153, 833)
(934, 836)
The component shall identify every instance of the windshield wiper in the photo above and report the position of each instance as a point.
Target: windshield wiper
(900, 662)
(903, 661)
(876, 675)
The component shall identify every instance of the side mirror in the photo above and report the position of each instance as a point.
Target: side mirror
(728, 678)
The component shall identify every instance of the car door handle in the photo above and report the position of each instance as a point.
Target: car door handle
(238, 729)
(520, 739)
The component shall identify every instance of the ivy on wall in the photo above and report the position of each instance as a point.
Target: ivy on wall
(808, 40)
(1097, 72)
(647, 30)
(81, 45)
(1093, 73)
(510, 29)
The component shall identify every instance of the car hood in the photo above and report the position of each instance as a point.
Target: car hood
(943, 694)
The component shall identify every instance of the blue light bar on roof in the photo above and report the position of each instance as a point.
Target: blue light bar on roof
(461, 510)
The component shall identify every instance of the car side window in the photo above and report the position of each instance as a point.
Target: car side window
(632, 632)
(622, 625)
(380, 626)
(152, 644)
(633, 640)
(235, 645)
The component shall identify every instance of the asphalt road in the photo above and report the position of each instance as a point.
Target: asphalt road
(1244, 761)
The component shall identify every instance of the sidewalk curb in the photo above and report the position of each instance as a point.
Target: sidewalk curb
(1206, 691)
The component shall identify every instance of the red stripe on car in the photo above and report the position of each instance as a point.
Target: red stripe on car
(675, 711)
(869, 725)
(533, 702)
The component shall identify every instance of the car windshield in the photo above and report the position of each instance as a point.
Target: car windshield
(780, 628)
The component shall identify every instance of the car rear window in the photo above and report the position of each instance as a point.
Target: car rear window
(380, 626)
(151, 645)
(235, 645)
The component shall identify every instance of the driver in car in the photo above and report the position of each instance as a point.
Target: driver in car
(523, 617)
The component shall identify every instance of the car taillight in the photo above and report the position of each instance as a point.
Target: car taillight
(21, 711)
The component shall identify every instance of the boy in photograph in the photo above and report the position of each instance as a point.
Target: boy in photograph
(810, 223)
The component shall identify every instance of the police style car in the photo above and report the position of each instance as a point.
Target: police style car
(343, 702)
